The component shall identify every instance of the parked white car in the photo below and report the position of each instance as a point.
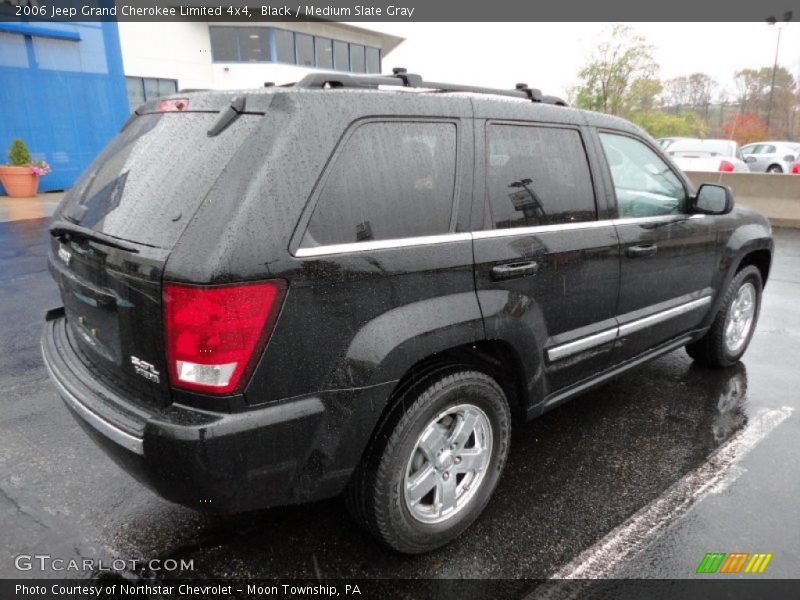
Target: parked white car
(707, 155)
(771, 157)
(666, 142)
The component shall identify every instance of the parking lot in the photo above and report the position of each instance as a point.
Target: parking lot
(639, 478)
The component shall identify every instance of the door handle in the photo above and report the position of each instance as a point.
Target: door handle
(515, 269)
(638, 251)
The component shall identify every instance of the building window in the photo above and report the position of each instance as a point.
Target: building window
(224, 45)
(304, 47)
(284, 45)
(341, 56)
(135, 91)
(324, 51)
(357, 64)
(373, 60)
(270, 44)
(12, 50)
(144, 89)
(240, 44)
(253, 44)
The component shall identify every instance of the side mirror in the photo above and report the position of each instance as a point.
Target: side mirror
(712, 199)
(749, 158)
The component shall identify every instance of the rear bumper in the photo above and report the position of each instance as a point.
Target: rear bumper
(297, 450)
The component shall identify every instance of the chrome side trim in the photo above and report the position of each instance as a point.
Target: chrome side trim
(656, 219)
(383, 244)
(113, 433)
(608, 335)
(663, 315)
(515, 231)
(481, 235)
(578, 388)
(495, 233)
(579, 345)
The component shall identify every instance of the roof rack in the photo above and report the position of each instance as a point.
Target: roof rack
(402, 78)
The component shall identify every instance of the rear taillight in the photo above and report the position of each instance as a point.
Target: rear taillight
(726, 166)
(796, 168)
(216, 334)
(173, 105)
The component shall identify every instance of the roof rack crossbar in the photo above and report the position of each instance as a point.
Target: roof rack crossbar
(400, 77)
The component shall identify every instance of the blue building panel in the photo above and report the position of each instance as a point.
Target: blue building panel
(62, 91)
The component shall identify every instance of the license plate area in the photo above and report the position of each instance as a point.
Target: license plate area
(94, 324)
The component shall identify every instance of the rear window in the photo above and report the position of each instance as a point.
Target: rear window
(148, 182)
(391, 180)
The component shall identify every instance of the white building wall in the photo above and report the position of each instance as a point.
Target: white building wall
(182, 51)
(167, 50)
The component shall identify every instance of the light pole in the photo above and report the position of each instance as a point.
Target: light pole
(787, 16)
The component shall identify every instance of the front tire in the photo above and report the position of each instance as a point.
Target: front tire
(730, 334)
(435, 464)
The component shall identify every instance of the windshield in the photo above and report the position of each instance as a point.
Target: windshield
(149, 181)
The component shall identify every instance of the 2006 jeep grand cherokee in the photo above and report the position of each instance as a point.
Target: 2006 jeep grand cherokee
(358, 283)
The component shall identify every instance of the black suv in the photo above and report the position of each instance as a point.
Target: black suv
(357, 283)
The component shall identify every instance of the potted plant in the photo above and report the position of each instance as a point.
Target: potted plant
(20, 177)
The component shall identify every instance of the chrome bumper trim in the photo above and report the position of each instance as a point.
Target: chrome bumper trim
(124, 439)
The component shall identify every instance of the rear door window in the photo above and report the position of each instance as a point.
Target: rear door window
(391, 180)
(537, 176)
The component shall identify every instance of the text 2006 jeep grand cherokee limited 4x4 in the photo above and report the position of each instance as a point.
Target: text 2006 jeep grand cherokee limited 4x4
(278, 295)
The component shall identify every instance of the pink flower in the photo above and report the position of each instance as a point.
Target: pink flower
(39, 168)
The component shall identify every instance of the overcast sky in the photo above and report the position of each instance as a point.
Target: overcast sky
(549, 55)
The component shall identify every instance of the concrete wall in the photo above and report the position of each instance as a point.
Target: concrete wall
(777, 196)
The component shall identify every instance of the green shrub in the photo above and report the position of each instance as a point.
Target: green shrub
(18, 155)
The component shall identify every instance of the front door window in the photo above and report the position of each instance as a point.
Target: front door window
(645, 186)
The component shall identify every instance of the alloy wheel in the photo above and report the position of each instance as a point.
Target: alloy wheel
(741, 315)
(448, 463)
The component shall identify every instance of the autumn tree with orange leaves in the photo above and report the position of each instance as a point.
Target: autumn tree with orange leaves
(745, 128)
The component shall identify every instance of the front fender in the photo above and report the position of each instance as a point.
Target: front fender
(741, 232)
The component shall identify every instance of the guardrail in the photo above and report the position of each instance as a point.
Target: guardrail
(776, 196)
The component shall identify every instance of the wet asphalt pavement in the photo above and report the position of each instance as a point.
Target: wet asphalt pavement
(573, 475)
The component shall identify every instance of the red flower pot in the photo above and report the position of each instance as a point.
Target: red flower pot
(19, 182)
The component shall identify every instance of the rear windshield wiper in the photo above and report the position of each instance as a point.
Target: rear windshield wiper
(64, 232)
(228, 115)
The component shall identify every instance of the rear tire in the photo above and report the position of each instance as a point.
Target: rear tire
(435, 463)
(730, 334)
(775, 169)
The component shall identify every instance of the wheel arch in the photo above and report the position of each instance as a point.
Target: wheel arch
(495, 358)
(760, 258)
(748, 244)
